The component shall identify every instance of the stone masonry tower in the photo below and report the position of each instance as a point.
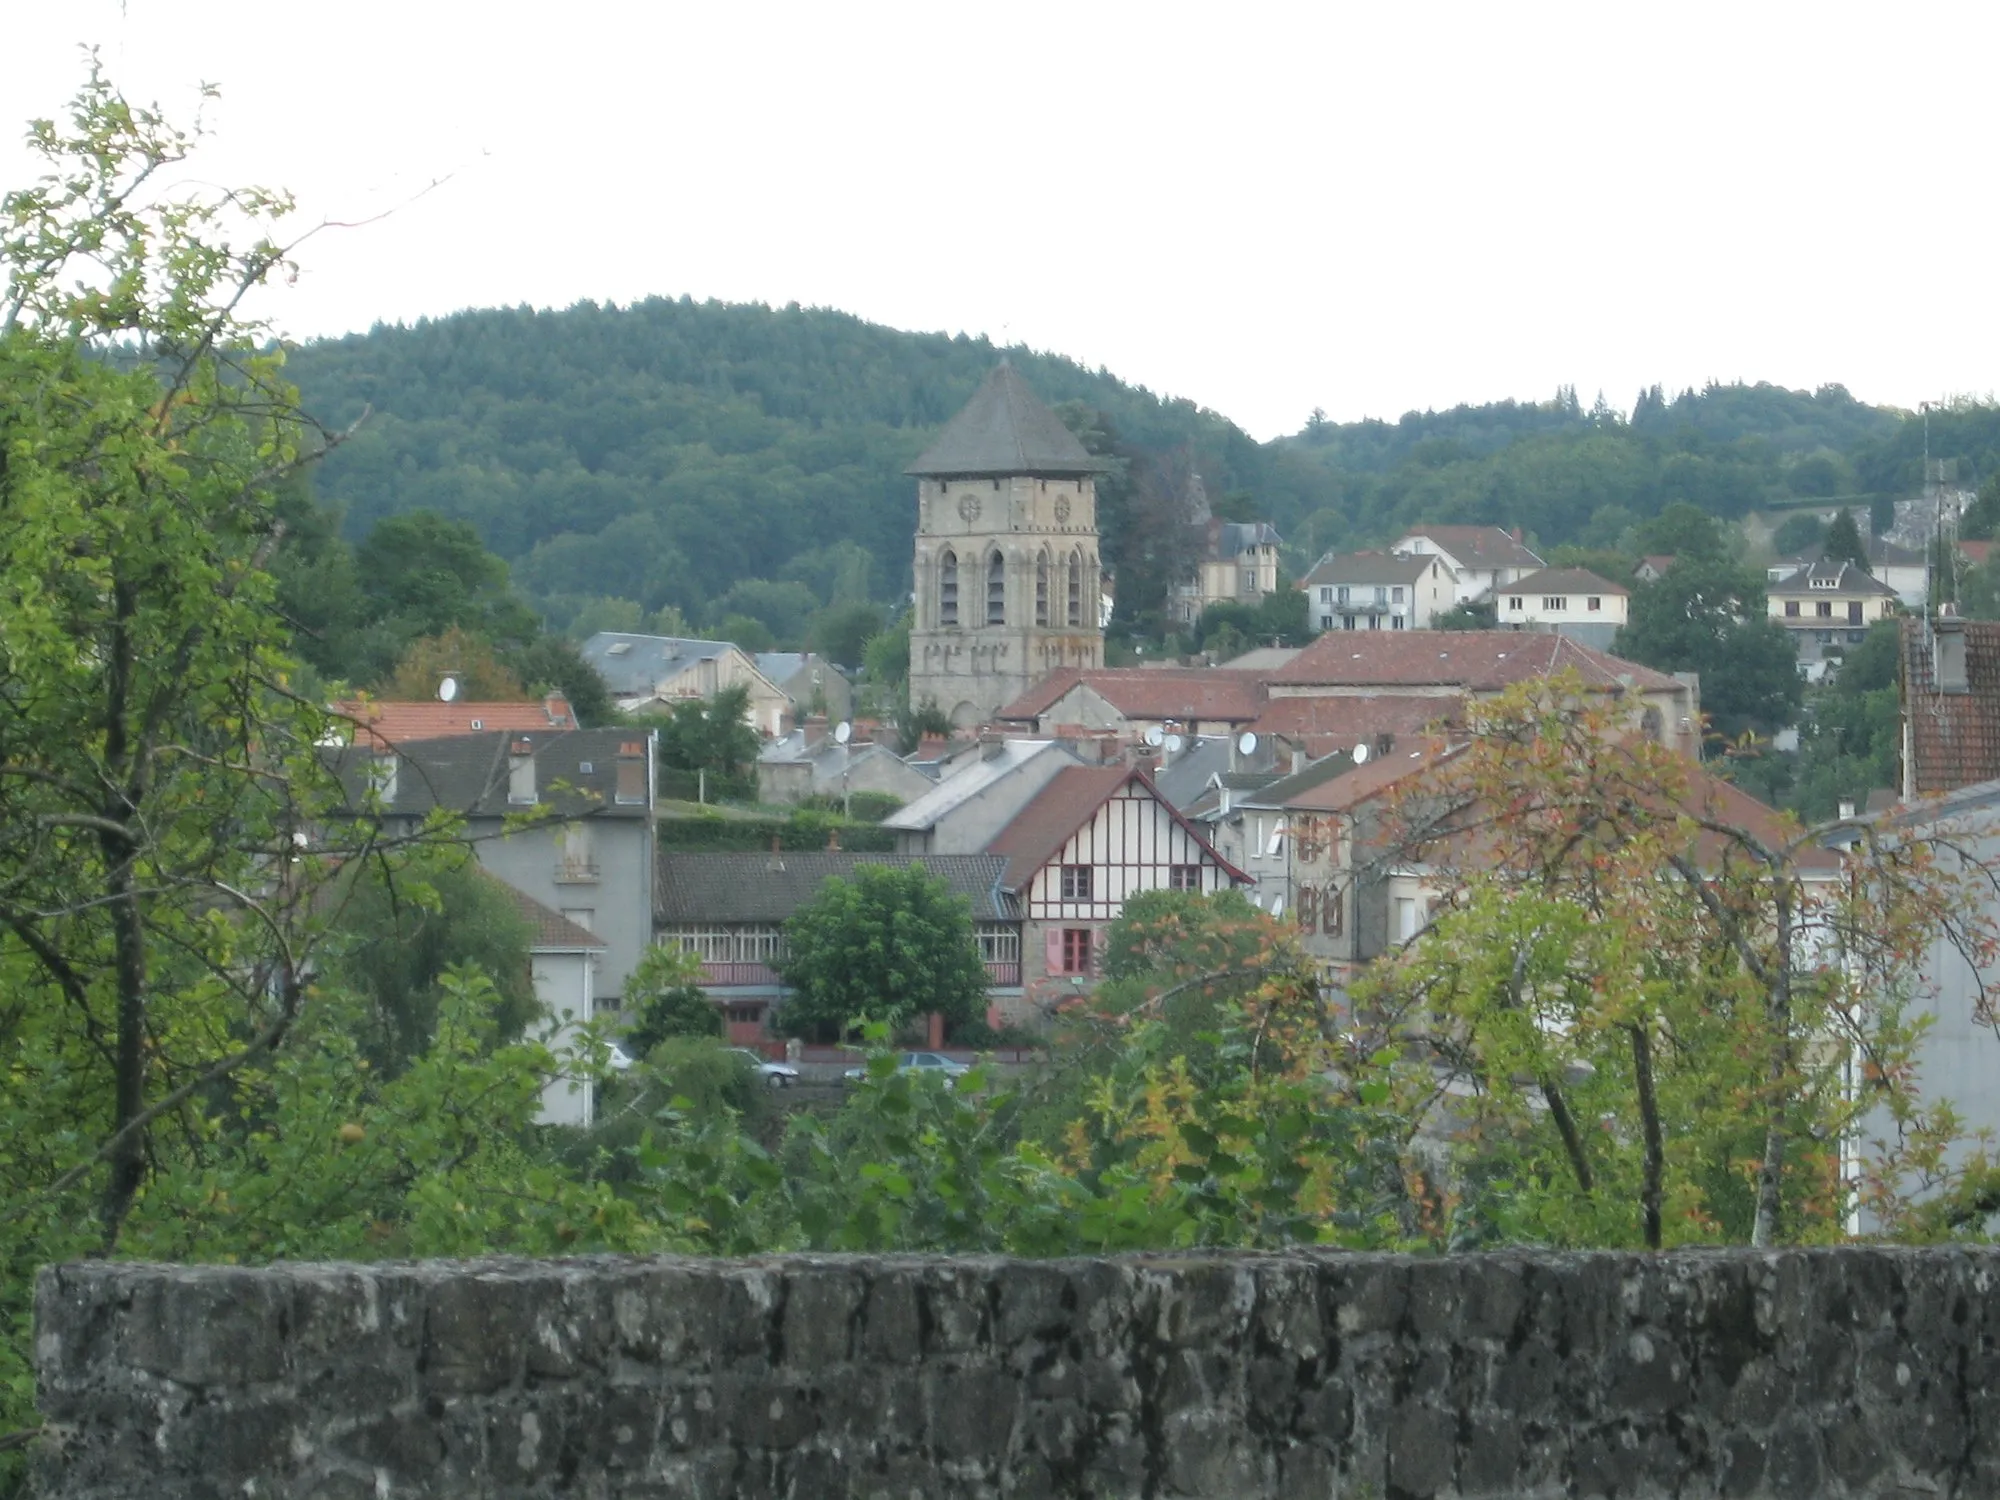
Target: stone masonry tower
(1006, 566)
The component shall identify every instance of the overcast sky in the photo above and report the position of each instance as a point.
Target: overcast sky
(1265, 208)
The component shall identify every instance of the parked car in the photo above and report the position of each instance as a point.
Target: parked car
(776, 1075)
(935, 1063)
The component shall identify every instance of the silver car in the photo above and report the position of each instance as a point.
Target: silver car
(776, 1075)
(933, 1063)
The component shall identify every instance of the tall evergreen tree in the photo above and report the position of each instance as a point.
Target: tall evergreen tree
(1843, 541)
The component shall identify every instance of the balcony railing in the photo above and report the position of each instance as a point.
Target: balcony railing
(577, 872)
(1007, 973)
(723, 975)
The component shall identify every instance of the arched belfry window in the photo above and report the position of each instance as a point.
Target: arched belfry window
(1076, 588)
(948, 588)
(996, 589)
(1042, 589)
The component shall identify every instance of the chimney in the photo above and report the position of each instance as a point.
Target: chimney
(815, 728)
(776, 863)
(1846, 811)
(1516, 535)
(992, 744)
(1948, 651)
(556, 706)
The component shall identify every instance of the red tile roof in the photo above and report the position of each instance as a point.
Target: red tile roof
(1072, 797)
(1473, 660)
(1976, 552)
(383, 723)
(1954, 738)
(1479, 546)
(1184, 693)
(1320, 726)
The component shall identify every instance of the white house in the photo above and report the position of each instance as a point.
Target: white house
(1379, 591)
(1567, 601)
(562, 960)
(1483, 559)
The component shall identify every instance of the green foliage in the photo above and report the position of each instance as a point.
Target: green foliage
(806, 828)
(394, 937)
(1850, 739)
(1473, 614)
(1682, 529)
(1981, 519)
(1798, 534)
(1277, 619)
(1707, 615)
(886, 657)
(1843, 541)
(843, 633)
(781, 611)
(703, 1079)
(709, 734)
(664, 995)
(888, 945)
(551, 664)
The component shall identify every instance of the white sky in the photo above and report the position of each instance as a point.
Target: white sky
(1366, 207)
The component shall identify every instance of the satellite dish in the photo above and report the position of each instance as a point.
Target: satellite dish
(1361, 753)
(1155, 736)
(1174, 743)
(843, 732)
(448, 690)
(1246, 743)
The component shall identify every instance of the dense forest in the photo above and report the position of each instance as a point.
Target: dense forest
(742, 461)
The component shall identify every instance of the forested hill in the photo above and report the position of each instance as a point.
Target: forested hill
(741, 460)
(672, 450)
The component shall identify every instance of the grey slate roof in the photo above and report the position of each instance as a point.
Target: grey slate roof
(731, 888)
(1238, 537)
(468, 773)
(1004, 429)
(645, 660)
(1367, 568)
(1841, 577)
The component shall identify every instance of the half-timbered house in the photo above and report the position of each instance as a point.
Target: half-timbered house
(1091, 839)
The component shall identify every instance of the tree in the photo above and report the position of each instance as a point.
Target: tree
(841, 632)
(664, 993)
(1706, 615)
(886, 656)
(469, 660)
(551, 664)
(709, 734)
(1624, 940)
(1798, 534)
(889, 944)
(1682, 530)
(1981, 519)
(1843, 541)
(393, 940)
(426, 573)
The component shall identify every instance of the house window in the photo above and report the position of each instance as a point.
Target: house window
(1396, 594)
(1042, 589)
(1594, 603)
(1374, 622)
(1791, 609)
(1249, 581)
(948, 589)
(1554, 602)
(582, 916)
(1395, 622)
(1343, 593)
(1824, 637)
(631, 788)
(1326, 596)
(1076, 588)
(521, 775)
(1332, 911)
(1000, 945)
(1075, 952)
(1823, 609)
(573, 861)
(1856, 637)
(1076, 882)
(996, 589)
(1514, 601)
(1326, 622)
(1381, 593)
(1184, 877)
(1854, 613)
(1347, 622)
(1406, 918)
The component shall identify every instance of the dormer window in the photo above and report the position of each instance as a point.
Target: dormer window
(521, 774)
(1827, 583)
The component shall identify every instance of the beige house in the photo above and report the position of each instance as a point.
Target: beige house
(642, 670)
(1827, 608)
(1238, 564)
(1568, 601)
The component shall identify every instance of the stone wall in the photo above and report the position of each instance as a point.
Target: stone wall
(1805, 1373)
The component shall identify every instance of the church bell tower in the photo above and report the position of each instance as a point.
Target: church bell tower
(1007, 571)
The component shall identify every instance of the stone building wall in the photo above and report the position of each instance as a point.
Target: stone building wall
(1803, 1373)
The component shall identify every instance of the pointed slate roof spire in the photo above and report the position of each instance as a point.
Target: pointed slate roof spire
(1004, 429)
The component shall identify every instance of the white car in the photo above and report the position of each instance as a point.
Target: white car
(776, 1075)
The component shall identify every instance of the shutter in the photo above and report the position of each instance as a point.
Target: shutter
(1052, 950)
(1100, 939)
